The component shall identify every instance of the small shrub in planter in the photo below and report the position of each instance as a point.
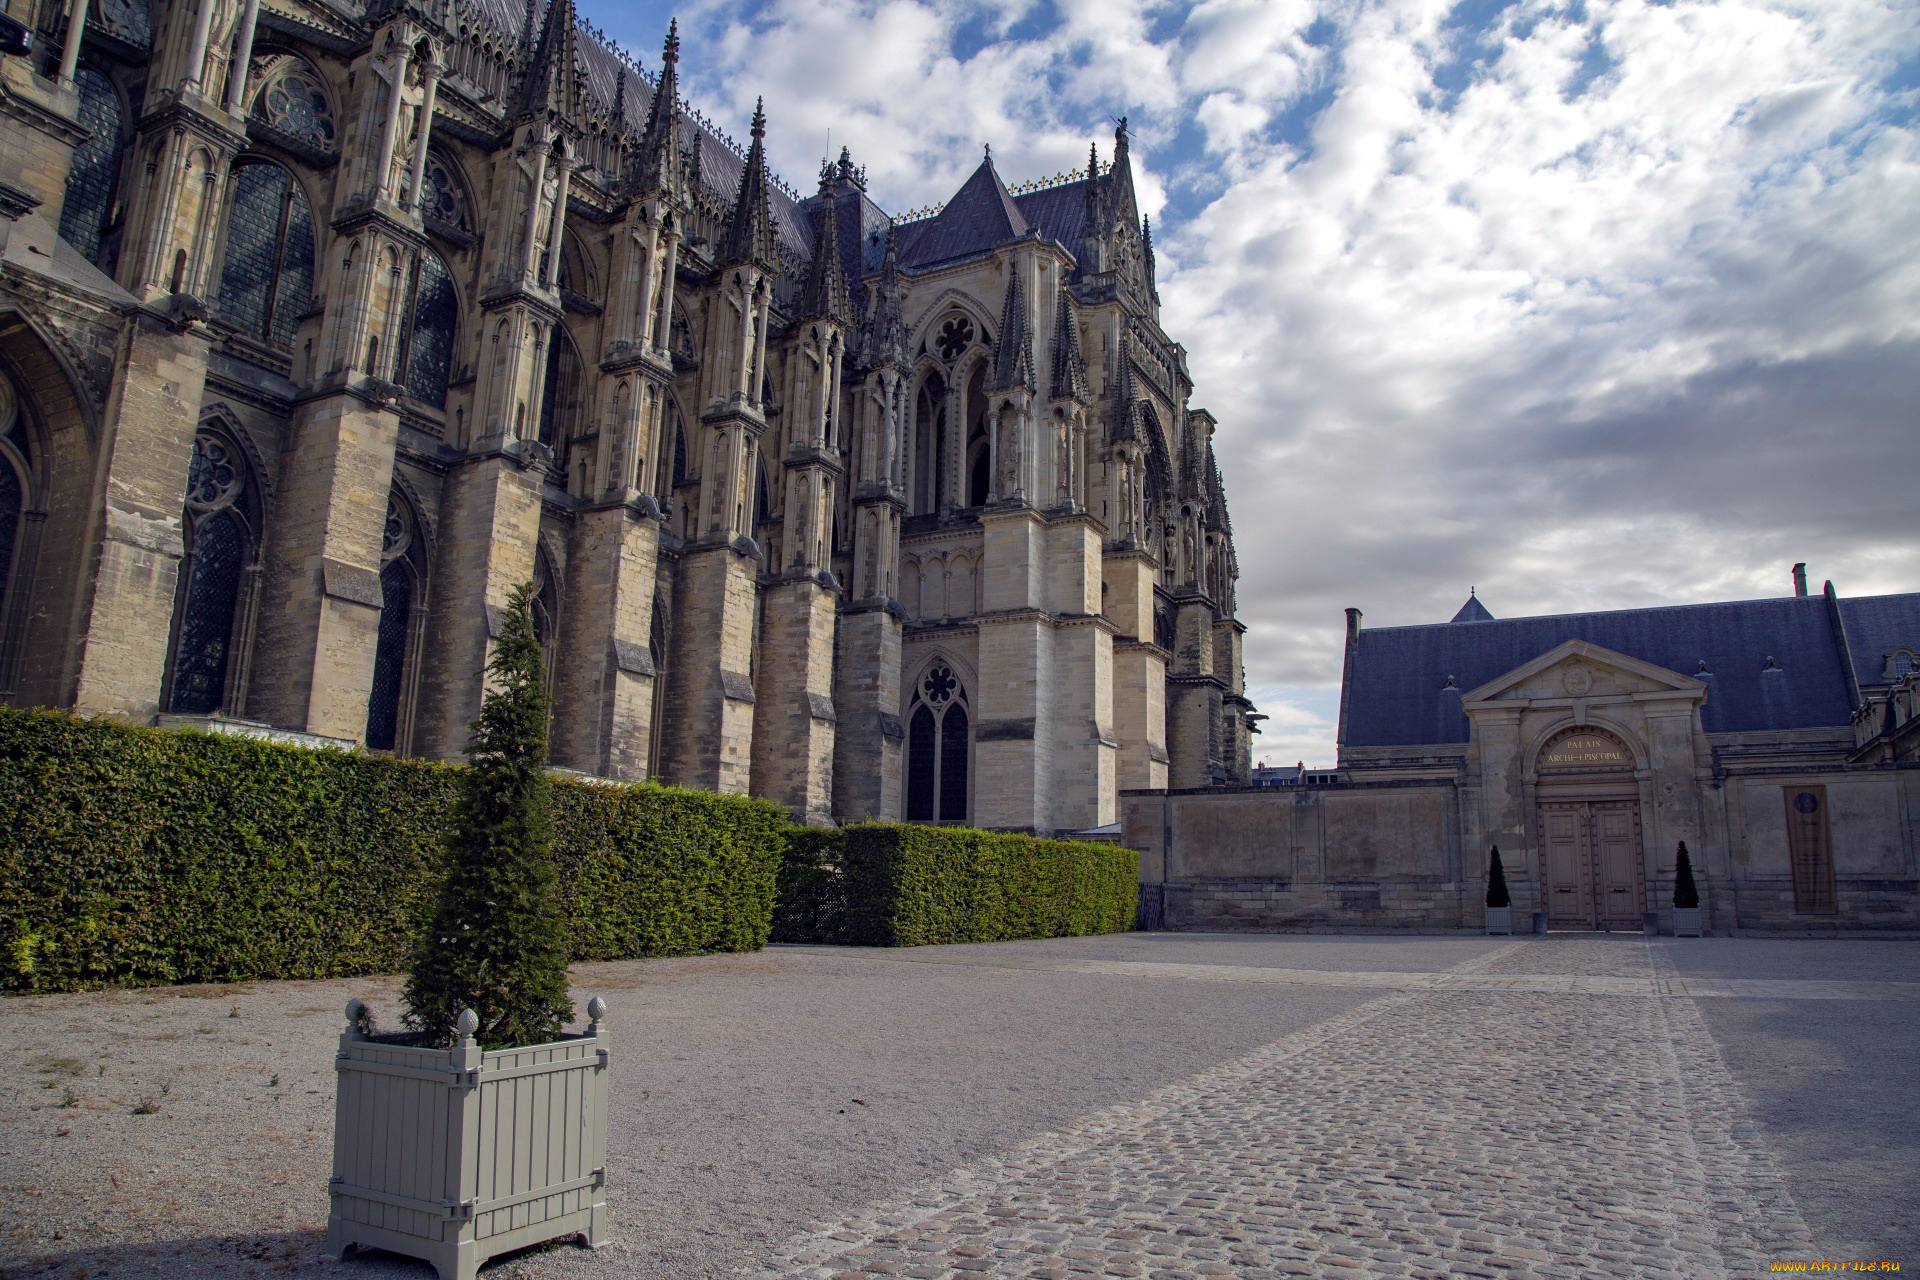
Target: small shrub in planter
(1499, 901)
(1686, 896)
(482, 1128)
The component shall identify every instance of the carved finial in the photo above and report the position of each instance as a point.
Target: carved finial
(988, 153)
(1093, 160)
(467, 1023)
(671, 54)
(596, 1010)
(759, 129)
(357, 1013)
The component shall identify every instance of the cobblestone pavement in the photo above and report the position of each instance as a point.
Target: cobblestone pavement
(1471, 1124)
(1664, 983)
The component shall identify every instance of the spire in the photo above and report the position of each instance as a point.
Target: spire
(1069, 365)
(551, 86)
(825, 290)
(1013, 354)
(1124, 421)
(886, 337)
(1218, 519)
(749, 233)
(659, 166)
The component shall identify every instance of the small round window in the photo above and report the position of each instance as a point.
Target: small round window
(956, 335)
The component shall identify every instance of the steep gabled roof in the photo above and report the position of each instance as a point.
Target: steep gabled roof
(981, 215)
(1876, 626)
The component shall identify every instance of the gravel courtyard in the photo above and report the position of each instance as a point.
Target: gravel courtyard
(1152, 1105)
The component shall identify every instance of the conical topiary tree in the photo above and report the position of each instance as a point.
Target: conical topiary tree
(496, 944)
(1497, 895)
(1685, 892)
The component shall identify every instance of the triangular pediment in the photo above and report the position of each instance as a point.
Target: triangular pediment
(1578, 669)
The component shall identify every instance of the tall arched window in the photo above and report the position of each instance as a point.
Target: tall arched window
(96, 168)
(546, 604)
(20, 524)
(560, 397)
(929, 445)
(424, 361)
(939, 749)
(978, 449)
(403, 571)
(294, 105)
(222, 526)
(266, 282)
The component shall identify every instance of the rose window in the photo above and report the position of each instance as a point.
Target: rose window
(295, 103)
(956, 335)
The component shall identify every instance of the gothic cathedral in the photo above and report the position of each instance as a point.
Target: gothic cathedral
(326, 323)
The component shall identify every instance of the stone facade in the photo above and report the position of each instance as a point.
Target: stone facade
(325, 326)
(1588, 767)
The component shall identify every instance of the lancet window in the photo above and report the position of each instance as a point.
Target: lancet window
(222, 522)
(425, 358)
(929, 445)
(266, 283)
(20, 522)
(92, 180)
(559, 398)
(403, 575)
(939, 748)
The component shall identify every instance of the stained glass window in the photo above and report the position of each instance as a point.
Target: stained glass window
(921, 739)
(953, 765)
(96, 164)
(430, 338)
(390, 655)
(206, 623)
(130, 20)
(295, 103)
(266, 282)
(12, 502)
(562, 387)
(938, 749)
(441, 198)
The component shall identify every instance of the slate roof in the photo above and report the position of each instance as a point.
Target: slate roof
(1876, 626)
(1473, 611)
(1058, 213)
(981, 214)
(1396, 695)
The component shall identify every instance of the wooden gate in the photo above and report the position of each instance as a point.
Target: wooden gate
(1589, 825)
(1592, 849)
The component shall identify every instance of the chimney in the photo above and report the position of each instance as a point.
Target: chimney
(1800, 578)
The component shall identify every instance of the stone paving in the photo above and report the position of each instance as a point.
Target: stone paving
(1473, 1123)
(1660, 984)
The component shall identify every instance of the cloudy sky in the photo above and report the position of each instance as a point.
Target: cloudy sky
(1587, 305)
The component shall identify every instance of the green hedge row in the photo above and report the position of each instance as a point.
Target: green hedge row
(133, 855)
(877, 884)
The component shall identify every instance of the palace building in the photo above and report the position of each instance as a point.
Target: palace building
(1779, 740)
(324, 324)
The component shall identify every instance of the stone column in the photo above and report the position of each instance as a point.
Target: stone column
(70, 49)
(242, 56)
(429, 93)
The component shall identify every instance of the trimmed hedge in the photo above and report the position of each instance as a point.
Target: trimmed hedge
(881, 884)
(133, 855)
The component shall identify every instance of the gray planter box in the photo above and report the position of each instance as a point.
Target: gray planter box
(455, 1155)
(1686, 922)
(1499, 919)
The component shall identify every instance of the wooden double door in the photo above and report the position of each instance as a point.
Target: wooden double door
(1593, 863)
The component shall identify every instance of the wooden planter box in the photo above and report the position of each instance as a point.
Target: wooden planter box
(1500, 920)
(1686, 922)
(455, 1155)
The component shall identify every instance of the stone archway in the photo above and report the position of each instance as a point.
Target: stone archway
(1588, 804)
